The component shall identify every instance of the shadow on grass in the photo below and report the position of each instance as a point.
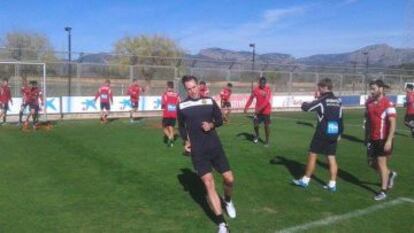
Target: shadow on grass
(249, 137)
(194, 186)
(304, 123)
(352, 138)
(295, 168)
(348, 177)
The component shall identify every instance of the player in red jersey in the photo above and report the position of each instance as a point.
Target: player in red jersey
(169, 102)
(381, 117)
(263, 108)
(105, 95)
(409, 104)
(5, 98)
(225, 101)
(25, 92)
(134, 92)
(35, 100)
(204, 91)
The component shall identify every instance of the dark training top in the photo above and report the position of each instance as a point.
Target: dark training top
(328, 109)
(191, 114)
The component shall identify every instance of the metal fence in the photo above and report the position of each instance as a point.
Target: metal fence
(85, 78)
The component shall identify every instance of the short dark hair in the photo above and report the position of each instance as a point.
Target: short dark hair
(326, 82)
(263, 79)
(409, 86)
(187, 78)
(33, 82)
(379, 83)
(135, 79)
(203, 83)
(170, 84)
(5, 79)
(229, 85)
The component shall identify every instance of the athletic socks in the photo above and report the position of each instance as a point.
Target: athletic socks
(227, 198)
(220, 219)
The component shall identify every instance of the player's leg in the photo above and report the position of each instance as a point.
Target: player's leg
(267, 130)
(310, 168)
(212, 196)
(22, 108)
(228, 182)
(6, 108)
(333, 171)
(256, 123)
(384, 175)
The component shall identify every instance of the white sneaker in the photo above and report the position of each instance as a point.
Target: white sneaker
(255, 140)
(223, 228)
(230, 209)
(391, 179)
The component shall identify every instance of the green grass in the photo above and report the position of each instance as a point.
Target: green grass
(86, 177)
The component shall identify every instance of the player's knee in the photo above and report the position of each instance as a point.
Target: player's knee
(228, 179)
(208, 181)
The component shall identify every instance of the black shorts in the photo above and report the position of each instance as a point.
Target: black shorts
(204, 163)
(323, 146)
(375, 149)
(4, 107)
(225, 104)
(106, 106)
(168, 122)
(409, 119)
(260, 118)
(34, 107)
(134, 105)
(24, 106)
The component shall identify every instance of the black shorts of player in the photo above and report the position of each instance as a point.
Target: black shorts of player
(323, 146)
(225, 104)
(105, 106)
(261, 118)
(34, 107)
(204, 163)
(4, 107)
(168, 122)
(24, 106)
(409, 118)
(376, 149)
(134, 105)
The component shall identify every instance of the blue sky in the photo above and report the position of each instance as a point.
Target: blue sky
(296, 27)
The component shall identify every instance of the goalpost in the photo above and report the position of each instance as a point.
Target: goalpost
(25, 69)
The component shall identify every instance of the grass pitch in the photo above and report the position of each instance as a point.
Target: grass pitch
(82, 176)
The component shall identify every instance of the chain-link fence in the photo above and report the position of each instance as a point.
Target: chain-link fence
(83, 79)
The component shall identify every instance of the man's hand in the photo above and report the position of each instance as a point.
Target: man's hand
(187, 147)
(206, 126)
(387, 146)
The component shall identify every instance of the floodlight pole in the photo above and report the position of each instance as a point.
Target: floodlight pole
(253, 45)
(366, 71)
(69, 30)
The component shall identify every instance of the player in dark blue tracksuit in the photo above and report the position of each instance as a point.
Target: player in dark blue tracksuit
(328, 109)
(197, 119)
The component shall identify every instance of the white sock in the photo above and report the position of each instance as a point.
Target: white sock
(332, 183)
(305, 179)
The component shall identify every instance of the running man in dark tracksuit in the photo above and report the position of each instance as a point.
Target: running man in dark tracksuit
(328, 108)
(197, 119)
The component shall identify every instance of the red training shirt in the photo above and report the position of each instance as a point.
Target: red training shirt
(379, 113)
(169, 102)
(263, 97)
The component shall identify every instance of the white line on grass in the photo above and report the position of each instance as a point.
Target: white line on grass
(353, 214)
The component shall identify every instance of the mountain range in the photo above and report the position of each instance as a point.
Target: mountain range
(378, 55)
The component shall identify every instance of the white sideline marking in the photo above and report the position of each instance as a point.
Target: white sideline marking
(353, 214)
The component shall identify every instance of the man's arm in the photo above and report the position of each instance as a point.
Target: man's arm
(249, 102)
(181, 124)
(393, 122)
(311, 106)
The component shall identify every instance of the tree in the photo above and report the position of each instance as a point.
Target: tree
(149, 50)
(25, 46)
